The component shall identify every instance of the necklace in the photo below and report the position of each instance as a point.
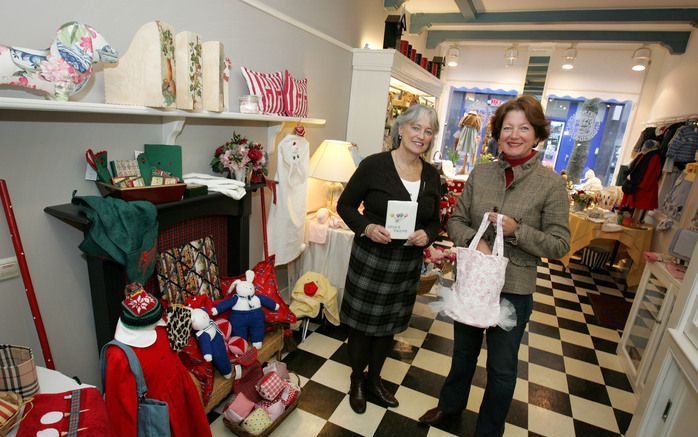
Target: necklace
(408, 170)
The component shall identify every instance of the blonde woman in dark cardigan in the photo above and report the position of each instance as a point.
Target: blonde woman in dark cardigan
(533, 201)
(383, 272)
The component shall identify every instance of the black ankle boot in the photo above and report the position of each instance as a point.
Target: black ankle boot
(376, 388)
(357, 394)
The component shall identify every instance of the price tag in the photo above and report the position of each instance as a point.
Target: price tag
(90, 173)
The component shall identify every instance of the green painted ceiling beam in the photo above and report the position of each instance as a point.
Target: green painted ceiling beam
(418, 22)
(467, 9)
(675, 42)
(393, 3)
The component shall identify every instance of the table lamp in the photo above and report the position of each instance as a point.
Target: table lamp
(332, 162)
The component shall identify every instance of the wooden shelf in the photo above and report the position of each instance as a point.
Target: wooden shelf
(168, 213)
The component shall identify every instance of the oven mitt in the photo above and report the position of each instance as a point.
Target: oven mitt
(167, 157)
(145, 168)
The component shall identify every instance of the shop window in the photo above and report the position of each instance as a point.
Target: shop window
(585, 134)
(484, 103)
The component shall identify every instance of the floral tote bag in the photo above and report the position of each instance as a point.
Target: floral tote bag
(474, 299)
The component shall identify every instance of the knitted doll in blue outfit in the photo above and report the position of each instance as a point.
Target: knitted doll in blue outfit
(246, 317)
(211, 342)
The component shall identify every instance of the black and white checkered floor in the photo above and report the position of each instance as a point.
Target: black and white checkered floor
(570, 382)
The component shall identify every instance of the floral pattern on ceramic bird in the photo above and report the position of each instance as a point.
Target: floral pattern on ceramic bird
(61, 70)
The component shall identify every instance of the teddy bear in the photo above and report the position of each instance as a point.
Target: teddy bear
(246, 316)
(211, 342)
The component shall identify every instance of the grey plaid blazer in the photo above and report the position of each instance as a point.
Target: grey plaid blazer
(536, 198)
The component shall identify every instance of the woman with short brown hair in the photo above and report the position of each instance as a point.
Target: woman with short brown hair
(533, 203)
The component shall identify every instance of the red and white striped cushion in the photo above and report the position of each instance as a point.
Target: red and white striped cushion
(295, 96)
(268, 87)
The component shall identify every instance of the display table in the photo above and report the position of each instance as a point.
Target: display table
(52, 381)
(330, 259)
(636, 240)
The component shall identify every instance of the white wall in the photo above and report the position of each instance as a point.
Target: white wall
(41, 154)
(361, 21)
(677, 93)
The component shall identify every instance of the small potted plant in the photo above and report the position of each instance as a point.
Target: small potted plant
(582, 199)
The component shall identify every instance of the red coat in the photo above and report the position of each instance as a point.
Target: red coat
(647, 194)
(167, 380)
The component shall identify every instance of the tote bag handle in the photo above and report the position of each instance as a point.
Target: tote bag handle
(498, 249)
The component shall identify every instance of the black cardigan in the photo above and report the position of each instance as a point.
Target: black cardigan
(375, 182)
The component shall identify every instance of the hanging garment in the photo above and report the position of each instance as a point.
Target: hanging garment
(667, 137)
(648, 134)
(286, 223)
(644, 173)
(676, 198)
(467, 144)
(167, 381)
(670, 173)
(684, 144)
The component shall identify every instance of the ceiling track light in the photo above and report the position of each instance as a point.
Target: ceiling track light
(569, 57)
(452, 56)
(511, 55)
(641, 58)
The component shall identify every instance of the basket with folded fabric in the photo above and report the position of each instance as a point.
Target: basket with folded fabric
(278, 397)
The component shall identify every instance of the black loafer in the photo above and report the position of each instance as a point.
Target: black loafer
(433, 417)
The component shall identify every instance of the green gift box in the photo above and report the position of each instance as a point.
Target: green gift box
(166, 157)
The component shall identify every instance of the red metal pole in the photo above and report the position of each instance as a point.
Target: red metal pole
(26, 278)
(264, 222)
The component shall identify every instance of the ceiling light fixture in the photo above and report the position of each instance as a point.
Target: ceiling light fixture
(511, 55)
(452, 56)
(641, 58)
(569, 57)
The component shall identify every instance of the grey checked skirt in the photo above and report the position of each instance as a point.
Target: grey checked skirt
(381, 287)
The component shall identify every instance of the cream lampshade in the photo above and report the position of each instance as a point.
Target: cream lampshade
(332, 162)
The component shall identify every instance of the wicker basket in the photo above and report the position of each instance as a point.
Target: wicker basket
(426, 282)
(241, 432)
(12, 399)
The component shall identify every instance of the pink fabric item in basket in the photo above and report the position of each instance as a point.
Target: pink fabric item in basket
(474, 299)
(271, 386)
(277, 366)
(273, 408)
(240, 408)
(290, 394)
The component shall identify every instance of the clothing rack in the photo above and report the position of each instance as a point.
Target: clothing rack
(669, 120)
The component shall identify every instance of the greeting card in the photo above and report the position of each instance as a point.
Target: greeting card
(401, 218)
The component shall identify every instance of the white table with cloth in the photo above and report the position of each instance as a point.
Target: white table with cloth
(330, 259)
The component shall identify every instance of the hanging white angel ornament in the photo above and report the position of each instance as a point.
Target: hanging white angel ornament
(286, 223)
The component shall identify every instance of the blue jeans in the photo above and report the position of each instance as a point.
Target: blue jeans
(502, 365)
